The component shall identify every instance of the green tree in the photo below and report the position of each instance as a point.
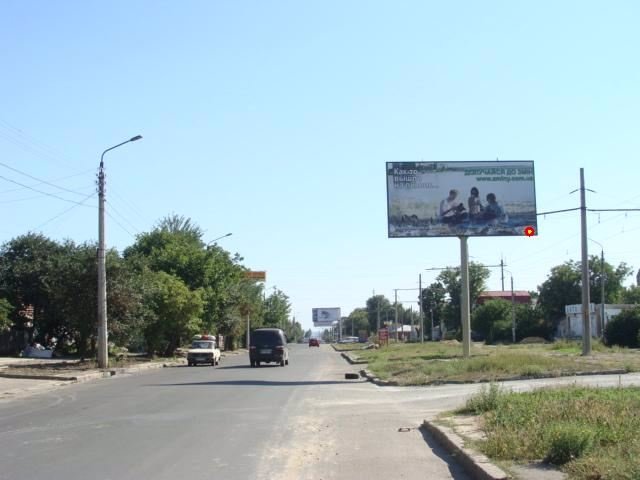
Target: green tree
(530, 322)
(173, 312)
(613, 280)
(631, 295)
(276, 309)
(493, 320)
(451, 280)
(5, 310)
(378, 306)
(27, 270)
(624, 329)
(563, 287)
(359, 318)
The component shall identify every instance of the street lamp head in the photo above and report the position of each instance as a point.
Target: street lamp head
(137, 137)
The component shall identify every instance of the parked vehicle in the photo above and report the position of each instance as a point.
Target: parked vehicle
(349, 340)
(203, 350)
(314, 342)
(268, 345)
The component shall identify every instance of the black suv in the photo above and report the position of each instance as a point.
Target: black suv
(268, 345)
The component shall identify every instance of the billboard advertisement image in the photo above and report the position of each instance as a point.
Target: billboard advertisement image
(442, 199)
(325, 317)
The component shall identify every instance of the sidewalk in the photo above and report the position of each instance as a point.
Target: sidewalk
(22, 377)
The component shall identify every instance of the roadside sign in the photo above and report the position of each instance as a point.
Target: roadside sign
(383, 336)
(259, 276)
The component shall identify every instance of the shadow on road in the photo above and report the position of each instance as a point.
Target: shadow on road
(254, 383)
(455, 469)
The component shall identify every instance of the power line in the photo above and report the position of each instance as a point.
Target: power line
(93, 194)
(40, 191)
(55, 180)
(28, 143)
(40, 180)
(123, 217)
(120, 225)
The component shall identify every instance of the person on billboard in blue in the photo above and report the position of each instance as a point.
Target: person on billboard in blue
(475, 205)
(452, 211)
(493, 212)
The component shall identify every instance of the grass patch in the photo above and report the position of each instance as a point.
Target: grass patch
(591, 433)
(434, 362)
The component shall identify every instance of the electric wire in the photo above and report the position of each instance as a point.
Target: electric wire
(29, 143)
(40, 180)
(93, 194)
(120, 225)
(55, 180)
(42, 192)
(115, 210)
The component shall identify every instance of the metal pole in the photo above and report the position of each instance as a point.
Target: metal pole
(502, 272)
(465, 304)
(396, 309)
(586, 317)
(513, 314)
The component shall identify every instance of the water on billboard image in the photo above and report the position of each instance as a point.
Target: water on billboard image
(439, 199)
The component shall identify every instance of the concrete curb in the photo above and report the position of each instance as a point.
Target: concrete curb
(352, 360)
(373, 379)
(85, 377)
(387, 383)
(476, 464)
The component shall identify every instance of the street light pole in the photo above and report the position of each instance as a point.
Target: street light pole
(103, 354)
(216, 239)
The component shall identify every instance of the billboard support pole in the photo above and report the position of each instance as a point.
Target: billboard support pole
(464, 301)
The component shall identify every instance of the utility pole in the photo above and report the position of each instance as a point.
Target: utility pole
(586, 314)
(396, 309)
(465, 302)
(603, 278)
(103, 350)
(513, 314)
(502, 272)
(248, 330)
(421, 309)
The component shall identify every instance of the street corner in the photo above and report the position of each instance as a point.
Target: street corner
(476, 464)
(16, 388)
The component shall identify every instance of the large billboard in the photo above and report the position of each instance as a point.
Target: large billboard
(325, 317)
(442, 199)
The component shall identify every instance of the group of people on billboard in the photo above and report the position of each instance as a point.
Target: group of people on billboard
(453, 211)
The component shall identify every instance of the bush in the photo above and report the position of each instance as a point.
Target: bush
(493, 321)
(568, 442)
(488, 399)
(624, 329)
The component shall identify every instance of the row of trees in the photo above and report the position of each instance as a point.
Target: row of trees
(493, 320)
(166, 287)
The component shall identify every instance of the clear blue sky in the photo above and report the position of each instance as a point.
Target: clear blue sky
(274, 120)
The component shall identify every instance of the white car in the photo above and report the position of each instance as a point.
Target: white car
(203, 350)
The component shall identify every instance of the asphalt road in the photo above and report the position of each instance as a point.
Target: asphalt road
(300, 422)
(303, 421)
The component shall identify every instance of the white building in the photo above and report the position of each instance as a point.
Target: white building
(571, 326)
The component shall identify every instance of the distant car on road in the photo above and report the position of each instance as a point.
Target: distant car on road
(314, 342)
(203, 350)
(268, 345)
(348, 340)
